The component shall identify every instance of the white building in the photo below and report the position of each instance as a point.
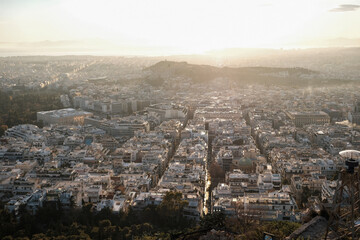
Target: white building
(66, 116)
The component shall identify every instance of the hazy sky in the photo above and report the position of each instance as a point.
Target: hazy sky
(185, 26)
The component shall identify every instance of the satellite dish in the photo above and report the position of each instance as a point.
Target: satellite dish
(350, 154)
(352, 160)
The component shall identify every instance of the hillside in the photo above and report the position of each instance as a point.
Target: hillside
(206, 73)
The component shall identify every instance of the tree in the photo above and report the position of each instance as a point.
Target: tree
(171, 208)
(3, 129)
(285, 181)
(39, 236)
(105, 223)
(146, 228)
(214, 220)
(8, 238)
(216, 171)
(280, 229)
(21, 107)
(246, 217)
(7, 223)
(217, 174)
(306, 193)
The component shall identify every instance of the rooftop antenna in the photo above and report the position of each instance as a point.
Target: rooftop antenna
(344, 221)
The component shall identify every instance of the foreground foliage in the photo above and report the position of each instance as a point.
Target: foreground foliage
(85, 223)
(151, 223)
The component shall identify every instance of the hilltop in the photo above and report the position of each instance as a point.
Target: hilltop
(206, 73)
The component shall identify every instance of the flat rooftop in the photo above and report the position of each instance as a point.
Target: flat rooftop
(65, 112)
(308, 113)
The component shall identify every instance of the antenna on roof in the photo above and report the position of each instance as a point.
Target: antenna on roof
(352, 159)
(345, 209)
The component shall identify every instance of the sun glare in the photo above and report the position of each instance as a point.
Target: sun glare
(194, 26)
(181, 26)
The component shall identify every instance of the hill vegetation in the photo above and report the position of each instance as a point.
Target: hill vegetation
(243, 75)
(20, 107)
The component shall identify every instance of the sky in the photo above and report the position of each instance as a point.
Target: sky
(155, 27)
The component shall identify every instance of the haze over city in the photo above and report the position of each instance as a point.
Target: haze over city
(168, 119)
(162, 27)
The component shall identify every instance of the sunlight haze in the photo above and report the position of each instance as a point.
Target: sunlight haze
(177, 27)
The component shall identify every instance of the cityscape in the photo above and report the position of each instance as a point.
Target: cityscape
(232, 143)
